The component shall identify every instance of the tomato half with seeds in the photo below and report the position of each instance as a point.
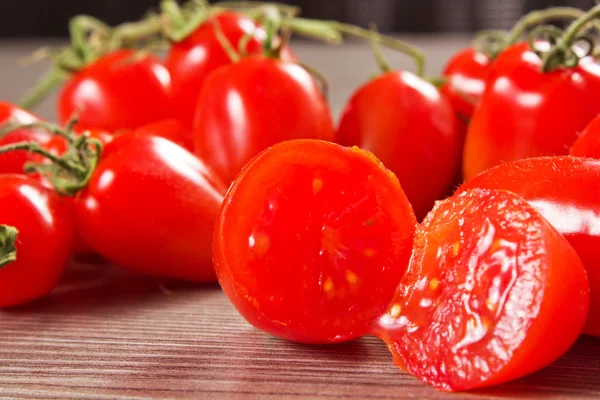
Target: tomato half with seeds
(565, 191)
(588, 143)
(312, 240)
(493, 292)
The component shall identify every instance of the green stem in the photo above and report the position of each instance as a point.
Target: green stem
(384, 66)
(173, 11)
(80, 28)
(44, 86)
(8, 239)
(49, 127)
(134, 31)
(256, 6)
(540, 17)
(34, 147)
(224, 42)
(320, 30)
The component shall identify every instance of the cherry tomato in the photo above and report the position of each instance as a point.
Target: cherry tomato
(58, 144)
(42, 244)
(150, 206)
(413, 130)
(565, 191)
(253, 104)
(588, 143)
(312, 241)
(493, 293)
(121, 90)
(15, 161)
(467, 73)
(526, 112)
(170, 129)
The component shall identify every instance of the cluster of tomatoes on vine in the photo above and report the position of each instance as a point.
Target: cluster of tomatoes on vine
(223, 161)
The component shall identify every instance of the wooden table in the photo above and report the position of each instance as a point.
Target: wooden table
(108, 334)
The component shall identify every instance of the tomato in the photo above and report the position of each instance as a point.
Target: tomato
(121, 90)
(588, 142)
(170, 129)
(58, 144)
(492, 293)
(43, 240)
(15, 161)
(467, 73)
(565, 191)
(150, 206)
(413, 130)
(312, 240)
(253, 104)
(526, 112)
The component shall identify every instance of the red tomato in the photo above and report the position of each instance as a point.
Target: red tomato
(253, 104)
(526, 112)
(170, 129)
(118, 91)
(58, 145)
(565, 191)
(588, 143)
(467, 73)
(413, 130)
(15, 161)
(42, 245)
(492, 293)
(312, 241)
(150, 207)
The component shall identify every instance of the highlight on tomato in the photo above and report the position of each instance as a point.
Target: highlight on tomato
(36, 230)
(493, 292)
(312, 240)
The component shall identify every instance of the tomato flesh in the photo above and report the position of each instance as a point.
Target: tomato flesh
(312, 240)
(492, 293)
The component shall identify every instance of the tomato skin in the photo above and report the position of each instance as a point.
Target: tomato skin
(253, 104)
(412, 129)
(118, 91)
(14, 162)
(150, 207)
(170, 129)
(312, 240)
(565, 191)
(467, 73)
(493, 293)
(527, 113)
(45, 232)
(588, 143)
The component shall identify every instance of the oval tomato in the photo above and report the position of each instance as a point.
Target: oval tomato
(404, 121)
(565, 191)
(526, 112)
(15, 161)
(253, 104)
(43, 240)
(588, 142)
(312, 240)
(492, 293)
(121, 90)
(150, 207)
(170, 129)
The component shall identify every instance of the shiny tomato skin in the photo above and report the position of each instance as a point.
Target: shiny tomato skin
(527, 113)
(565, 191)
(45, 231)
(150, 207)
(467, 73)
(493, 293)
(412, 129)
(14, 162)
(588, 142)
(253, 104)
(121, 90)
(312, 240)
(171, 129)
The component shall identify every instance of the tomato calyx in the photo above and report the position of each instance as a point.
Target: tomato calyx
(68, 173)
(8, 250)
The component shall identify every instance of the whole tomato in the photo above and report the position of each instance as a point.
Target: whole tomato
(121, 90)
(526, 112)
(32, 258)
(255, 103)
(493, 292)
(565, 191)
(412, 129)
(588, 142)
(312, 240)
(15, 161)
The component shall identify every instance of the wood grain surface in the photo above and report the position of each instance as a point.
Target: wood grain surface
(107, 334)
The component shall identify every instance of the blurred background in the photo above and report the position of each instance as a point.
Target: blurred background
(48, 18)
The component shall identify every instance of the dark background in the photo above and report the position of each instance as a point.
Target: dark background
(37, 18)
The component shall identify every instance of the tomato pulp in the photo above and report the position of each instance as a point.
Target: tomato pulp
(492, 293)
(312, 240)
(565, 191)
(412, 129)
